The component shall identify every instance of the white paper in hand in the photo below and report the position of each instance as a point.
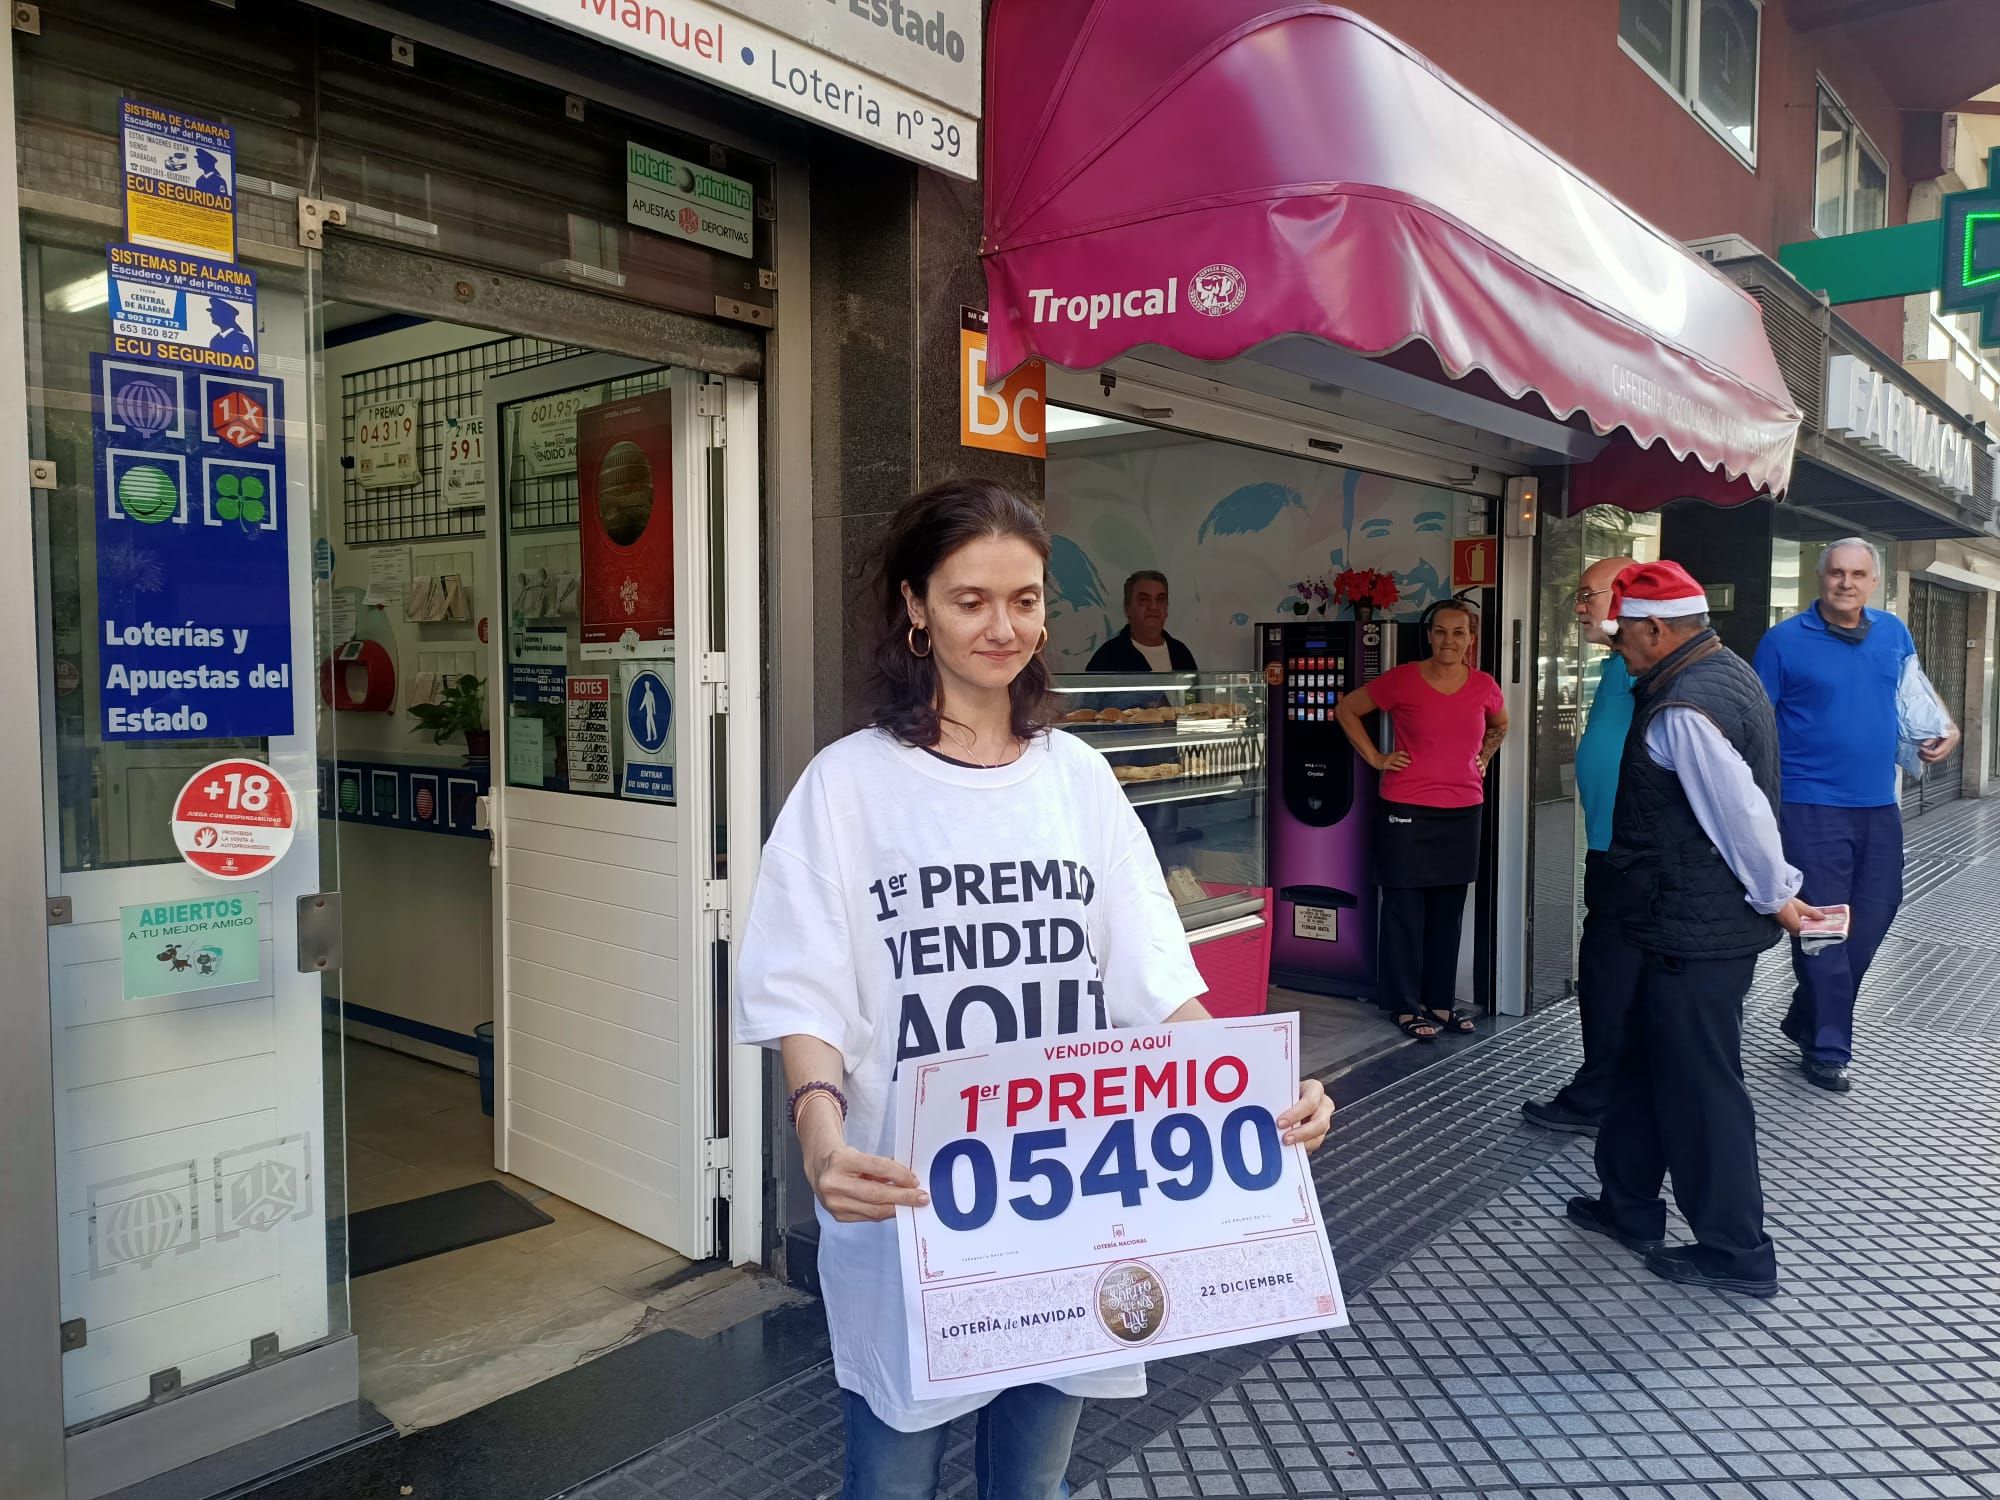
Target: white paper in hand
(1104, 1199)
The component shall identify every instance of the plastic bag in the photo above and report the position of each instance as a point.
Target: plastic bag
(1921, 717)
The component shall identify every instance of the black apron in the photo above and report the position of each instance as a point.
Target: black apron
(1419, 847)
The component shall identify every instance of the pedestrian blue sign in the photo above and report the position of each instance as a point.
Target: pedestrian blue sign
(193, 579)
(649, 735)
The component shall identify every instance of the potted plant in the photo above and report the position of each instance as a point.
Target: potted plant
(1308, 590)
(1367, 590)
(462, 710)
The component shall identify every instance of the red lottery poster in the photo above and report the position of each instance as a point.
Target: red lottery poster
(234, 819)
(625, 492)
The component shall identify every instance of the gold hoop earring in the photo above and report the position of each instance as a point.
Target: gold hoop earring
(911, 641)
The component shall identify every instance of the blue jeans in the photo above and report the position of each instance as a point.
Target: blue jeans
(1851, 856)
(1020, 1451)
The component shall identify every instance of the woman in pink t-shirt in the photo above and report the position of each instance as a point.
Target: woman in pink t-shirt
(1449, 720)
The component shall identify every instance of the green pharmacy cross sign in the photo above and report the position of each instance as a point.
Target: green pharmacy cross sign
(1956, 255)
(1971, 232)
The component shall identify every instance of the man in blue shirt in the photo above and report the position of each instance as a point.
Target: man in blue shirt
(1607, 965)
(1832, 674)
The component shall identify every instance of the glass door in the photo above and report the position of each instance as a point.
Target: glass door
(1566, 675)
(608, 815)
(199, 1124)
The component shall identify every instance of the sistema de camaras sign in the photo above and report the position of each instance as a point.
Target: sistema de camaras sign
(901, 76)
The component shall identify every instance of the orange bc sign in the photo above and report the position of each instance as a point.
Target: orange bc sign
(1007, 418)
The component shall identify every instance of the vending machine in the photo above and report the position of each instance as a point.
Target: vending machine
(1320, 804)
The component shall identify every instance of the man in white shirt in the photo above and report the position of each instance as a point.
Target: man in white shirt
(1144, 645)
(1706, 889)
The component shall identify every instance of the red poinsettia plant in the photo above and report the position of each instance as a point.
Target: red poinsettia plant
(1367, 586)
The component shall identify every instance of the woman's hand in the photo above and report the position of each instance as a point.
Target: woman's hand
(1306, 1123)
(857, 1188)
(1395, 760)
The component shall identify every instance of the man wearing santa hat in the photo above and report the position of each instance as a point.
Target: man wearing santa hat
(1695, 844)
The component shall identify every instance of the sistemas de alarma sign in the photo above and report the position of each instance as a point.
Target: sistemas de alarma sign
(901, 76)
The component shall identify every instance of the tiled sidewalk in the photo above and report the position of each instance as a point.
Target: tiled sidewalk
(1495, 1352)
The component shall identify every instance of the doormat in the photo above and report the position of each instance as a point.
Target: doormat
(397, 1233)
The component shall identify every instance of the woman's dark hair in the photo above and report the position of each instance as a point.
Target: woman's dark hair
(929, 528)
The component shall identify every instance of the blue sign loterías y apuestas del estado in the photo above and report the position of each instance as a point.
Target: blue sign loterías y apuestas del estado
(194, 628)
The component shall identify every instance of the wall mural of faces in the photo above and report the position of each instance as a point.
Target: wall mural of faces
(1233, 529)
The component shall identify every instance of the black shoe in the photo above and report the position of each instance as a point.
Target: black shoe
(1588, 1213)
(1556, 1115)
(1679, 1265)
(1832, 1077)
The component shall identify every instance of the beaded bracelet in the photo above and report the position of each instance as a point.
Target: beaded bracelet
(817, 1086)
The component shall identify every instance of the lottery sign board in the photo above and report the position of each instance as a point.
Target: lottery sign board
(1105, 1199)
(193, 570)
(234, 819)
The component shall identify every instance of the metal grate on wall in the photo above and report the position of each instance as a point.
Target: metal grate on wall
(551, 500)
(447, 385)
(1984, 499)
(1799, 342)
(1940, 623)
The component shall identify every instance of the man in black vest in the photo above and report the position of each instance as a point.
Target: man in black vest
(1703, 888)
(1143, 645)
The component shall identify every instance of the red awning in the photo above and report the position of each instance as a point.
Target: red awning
(1208, 178)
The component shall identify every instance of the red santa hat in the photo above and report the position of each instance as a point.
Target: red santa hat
(1654, 591)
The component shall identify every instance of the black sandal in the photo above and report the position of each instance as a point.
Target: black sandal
(1456, 1022)
(1419, 1026)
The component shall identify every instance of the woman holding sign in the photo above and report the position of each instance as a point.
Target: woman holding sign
(954, 875)
(1449, 719)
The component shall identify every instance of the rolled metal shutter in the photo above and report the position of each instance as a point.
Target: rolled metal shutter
(1941, 622)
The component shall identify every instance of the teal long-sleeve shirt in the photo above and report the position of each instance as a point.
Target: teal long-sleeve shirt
(1602, 747)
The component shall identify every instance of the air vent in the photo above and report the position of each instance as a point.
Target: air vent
(1799, 341)
(1984, 500)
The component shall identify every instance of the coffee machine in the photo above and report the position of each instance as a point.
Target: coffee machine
(1321, 804)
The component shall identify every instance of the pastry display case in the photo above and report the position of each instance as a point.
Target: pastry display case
(1188, 747)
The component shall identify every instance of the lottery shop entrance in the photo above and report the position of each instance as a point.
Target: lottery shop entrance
(524, 790)
(390, 625)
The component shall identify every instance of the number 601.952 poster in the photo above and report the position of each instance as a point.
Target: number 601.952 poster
(1104, 1200)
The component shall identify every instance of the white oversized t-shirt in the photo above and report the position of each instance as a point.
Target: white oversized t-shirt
(909, 905)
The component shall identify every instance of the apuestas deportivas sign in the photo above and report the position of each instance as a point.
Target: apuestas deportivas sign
(1863, 404)
(902, 76)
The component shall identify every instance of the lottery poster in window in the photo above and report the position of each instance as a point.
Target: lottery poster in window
(625, 514)
(388, 445)
(1103, 1200)
(194, 629)
(587, 734)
